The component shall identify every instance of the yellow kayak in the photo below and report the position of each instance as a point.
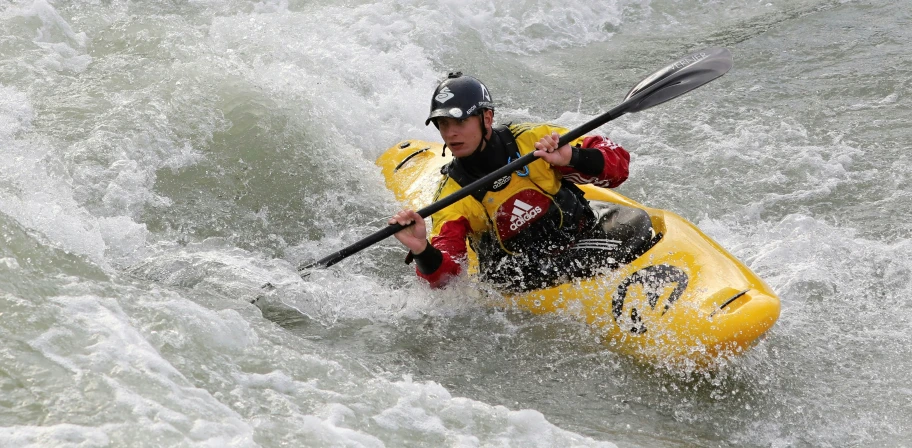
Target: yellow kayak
(685, 302)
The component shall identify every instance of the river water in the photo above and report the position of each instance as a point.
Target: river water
(161, 160)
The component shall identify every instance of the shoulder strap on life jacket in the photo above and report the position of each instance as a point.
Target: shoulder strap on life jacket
(506, 136)
(455, 171)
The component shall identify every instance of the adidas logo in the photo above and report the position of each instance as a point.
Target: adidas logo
(523, 213)
(500, 183)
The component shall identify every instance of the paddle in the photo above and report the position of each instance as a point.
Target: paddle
(682, 76)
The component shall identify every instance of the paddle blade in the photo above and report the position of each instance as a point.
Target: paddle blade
(686, 74)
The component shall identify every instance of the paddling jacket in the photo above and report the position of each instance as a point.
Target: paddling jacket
(536, 211)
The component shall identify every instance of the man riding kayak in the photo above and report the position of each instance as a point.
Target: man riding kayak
(532, 228)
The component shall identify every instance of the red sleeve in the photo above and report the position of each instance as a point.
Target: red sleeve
(451, 241)
(615, 171)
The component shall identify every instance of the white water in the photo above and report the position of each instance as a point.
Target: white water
(161, 161)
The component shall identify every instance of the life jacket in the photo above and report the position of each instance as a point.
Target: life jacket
(525, 217)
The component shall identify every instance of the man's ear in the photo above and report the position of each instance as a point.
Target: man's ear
(488, 118)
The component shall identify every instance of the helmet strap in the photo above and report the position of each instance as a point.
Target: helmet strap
(443, 153)
(484, 132)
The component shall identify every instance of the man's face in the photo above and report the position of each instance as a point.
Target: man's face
(462, 136)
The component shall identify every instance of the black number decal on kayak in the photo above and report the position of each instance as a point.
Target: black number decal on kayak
(654, 280)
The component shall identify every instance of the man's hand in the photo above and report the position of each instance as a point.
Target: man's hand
(547, 150)
(414, 237)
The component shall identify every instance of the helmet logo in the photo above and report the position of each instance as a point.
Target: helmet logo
(455, 112)
(444, 95)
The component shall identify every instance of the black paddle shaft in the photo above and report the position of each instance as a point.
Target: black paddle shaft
(674, 80)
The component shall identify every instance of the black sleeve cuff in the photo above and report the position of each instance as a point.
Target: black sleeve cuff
(429, 261)
(574, 156)
(588, 161)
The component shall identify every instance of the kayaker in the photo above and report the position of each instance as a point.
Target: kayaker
(532, 228)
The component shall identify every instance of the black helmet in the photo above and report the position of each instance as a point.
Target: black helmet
(459, 96)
